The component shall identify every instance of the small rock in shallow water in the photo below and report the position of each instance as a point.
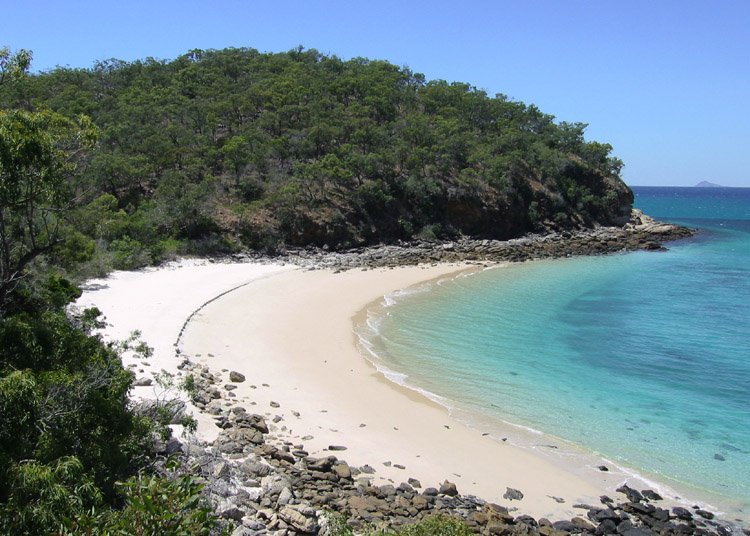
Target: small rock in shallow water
(705, 514)
(719, 457)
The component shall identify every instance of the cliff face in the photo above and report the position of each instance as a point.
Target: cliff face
(239, 148)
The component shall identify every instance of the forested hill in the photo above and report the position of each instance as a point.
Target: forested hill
(236, 148)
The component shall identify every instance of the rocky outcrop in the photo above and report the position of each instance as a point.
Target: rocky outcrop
(639, 233)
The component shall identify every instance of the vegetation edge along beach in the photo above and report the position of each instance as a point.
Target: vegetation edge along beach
(128, 164)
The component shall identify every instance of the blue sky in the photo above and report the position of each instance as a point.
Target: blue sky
(667, 83)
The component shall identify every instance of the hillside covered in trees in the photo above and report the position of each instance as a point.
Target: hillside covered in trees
(229, 149)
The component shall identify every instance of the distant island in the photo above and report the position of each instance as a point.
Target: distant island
(706, 184)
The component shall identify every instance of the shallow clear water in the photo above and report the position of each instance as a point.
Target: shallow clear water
(641, 357)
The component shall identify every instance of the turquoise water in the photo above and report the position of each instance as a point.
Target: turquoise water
(642, 357)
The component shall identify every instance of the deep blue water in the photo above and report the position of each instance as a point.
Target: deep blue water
(640, 357)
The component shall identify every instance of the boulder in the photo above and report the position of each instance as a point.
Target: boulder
(512, 494)
(448, 488)
(236, 377)
(301, 519)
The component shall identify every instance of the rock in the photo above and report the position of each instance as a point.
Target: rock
(607, 526)
(233, 513)
(705, 514)
(448, 488)
(324, 465)
(600, 514)
(582, 524)
(244, 531)
(220, 470)
(274, 484)
(336, 447)
(651, 495)
(603, 468)
(512, 494)
(430, 492)
(275, 404)
(640, 508)
(342, 471)
(173, 446)
(303, 520)
(682, 513)
(245, 420)
(236, 377)
(564, 526)
(285, 497)
(142, 382)
(255, 468)
(633, 495)
(413, 482)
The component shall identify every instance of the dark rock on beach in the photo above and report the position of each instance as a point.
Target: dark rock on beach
(512, 494)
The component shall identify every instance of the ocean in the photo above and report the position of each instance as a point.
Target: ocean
(641, 358)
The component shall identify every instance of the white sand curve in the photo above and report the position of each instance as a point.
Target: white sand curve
(289, 331)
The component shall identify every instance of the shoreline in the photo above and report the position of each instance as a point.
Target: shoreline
(569, 455)
(236, 284)
(319, 368)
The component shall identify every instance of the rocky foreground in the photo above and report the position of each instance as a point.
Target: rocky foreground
(268, 485)
(264, 483)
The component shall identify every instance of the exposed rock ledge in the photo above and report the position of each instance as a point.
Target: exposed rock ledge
(640, 233)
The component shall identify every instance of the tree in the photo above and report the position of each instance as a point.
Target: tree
(13, 66)
(37, 160)
(39, 153)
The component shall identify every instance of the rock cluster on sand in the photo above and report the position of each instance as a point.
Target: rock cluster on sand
(265, 485)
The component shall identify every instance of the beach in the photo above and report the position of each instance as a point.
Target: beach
(289, 331)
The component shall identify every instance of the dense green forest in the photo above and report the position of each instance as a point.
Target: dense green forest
(229, 149)
(125, 164)
(74, 456)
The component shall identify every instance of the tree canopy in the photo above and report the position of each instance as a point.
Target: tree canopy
(233, 148)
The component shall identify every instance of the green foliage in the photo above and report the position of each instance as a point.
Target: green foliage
(436, 526)
(153, 505)
(66, 433)
(36, 165)
(217, 149)
(43, 495)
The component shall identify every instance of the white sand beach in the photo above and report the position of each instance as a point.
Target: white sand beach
(290, 332)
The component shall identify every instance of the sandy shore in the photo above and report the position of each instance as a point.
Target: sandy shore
(289, 331)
